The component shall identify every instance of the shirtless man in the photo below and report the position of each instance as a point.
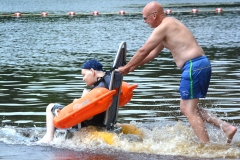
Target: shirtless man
(190, 58)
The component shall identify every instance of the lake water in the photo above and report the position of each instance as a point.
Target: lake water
(40, 63)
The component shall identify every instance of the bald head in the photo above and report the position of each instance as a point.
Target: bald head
(153, 7)
(153, 14)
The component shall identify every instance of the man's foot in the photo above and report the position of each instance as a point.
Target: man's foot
(230, 132)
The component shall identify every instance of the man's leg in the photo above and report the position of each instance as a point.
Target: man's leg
(227, 128)
(190, 109)
(48, 137)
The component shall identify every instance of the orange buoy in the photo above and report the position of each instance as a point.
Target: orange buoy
(127, 93)
(219, 10)
(121, 12)
(95, 13)
(194, 10)
(168, 11)
(94, 102)
(71, 13)
(44, 14)
(18, 14)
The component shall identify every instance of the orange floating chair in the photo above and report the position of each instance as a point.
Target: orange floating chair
(126, 93)
(94, 102)
(99, 100)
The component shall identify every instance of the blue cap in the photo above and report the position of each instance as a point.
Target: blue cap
(94, 64)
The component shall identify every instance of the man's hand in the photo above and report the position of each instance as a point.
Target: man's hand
(132, 69)
(123, 70)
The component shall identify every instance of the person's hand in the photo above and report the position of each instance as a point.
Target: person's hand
(85, 91)
(132, 69)
(75, 99)
(57, 112)
(123, 70)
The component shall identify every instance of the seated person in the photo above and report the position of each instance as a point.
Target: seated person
(92, 73)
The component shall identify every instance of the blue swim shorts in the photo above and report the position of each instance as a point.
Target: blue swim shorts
(195, 78)
(56, 106)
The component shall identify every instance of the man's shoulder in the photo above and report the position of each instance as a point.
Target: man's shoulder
(169, 23)
(166, 23)
(168, 20)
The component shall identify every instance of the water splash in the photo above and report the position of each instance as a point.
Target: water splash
(162, 139)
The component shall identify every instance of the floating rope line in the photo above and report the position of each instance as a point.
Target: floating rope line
(96, 13)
